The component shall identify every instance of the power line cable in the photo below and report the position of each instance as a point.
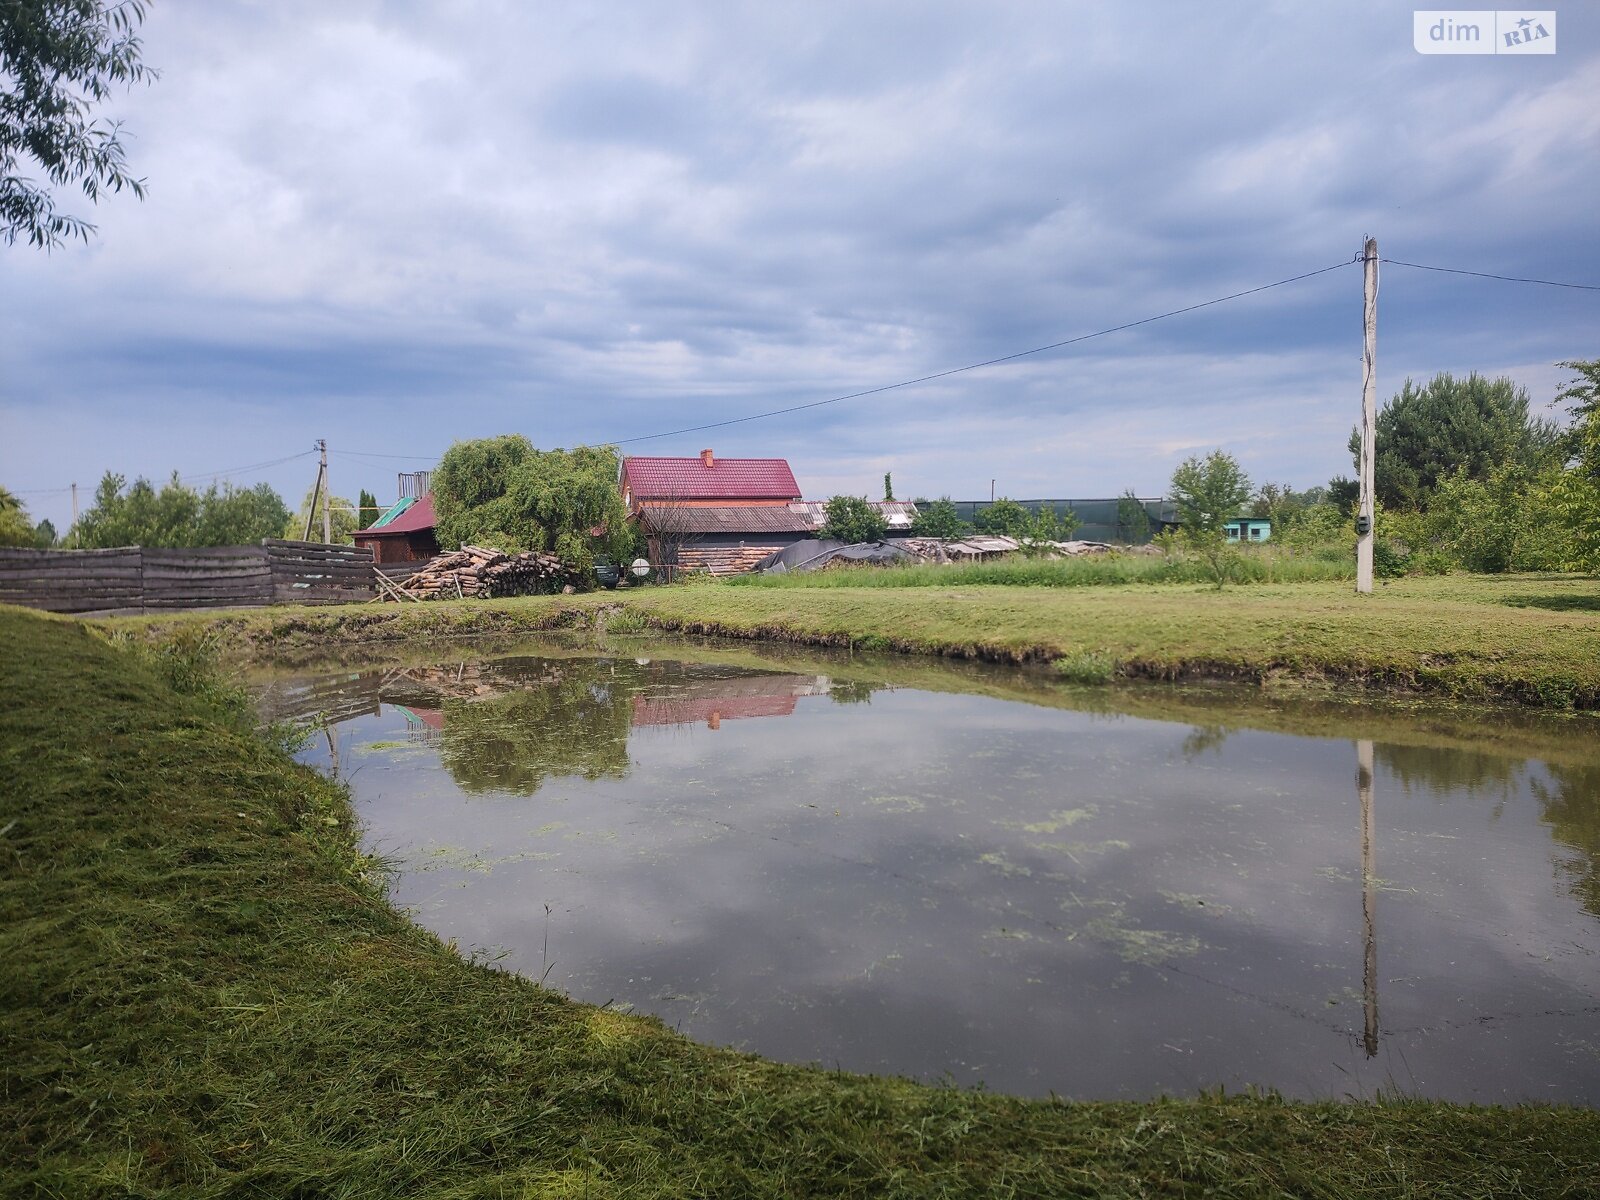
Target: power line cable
(1587, 287)
(905, 383)
(260, 466)
(371, 454)
(1084, 337)
(218, 474)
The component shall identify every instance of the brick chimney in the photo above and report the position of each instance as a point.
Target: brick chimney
(706, 459)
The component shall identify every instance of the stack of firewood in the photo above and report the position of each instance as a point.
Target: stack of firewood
(481, 571)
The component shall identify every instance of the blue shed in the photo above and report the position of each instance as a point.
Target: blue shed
(1249, 529)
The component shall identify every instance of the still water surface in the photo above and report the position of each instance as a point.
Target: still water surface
(981, 876)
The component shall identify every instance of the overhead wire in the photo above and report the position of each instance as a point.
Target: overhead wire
(1586, 287)
(221, 473)
(989, 362)
(260, 466)
(373, 454)
(936, 375)
(905, 383)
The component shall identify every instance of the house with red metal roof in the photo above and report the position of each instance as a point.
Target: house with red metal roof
(707, 481)
(718, 515)
(404, 533)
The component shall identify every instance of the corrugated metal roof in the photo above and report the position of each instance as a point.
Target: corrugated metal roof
(724, 518)
(393, 511)
(417, 516)
(724, 479)
(900, 514)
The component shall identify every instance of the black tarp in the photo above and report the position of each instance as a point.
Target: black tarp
(816, 553)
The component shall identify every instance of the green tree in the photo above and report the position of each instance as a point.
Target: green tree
(1582, 442)
(1045, 526)
(1280, 504)
(239, 516)
(366, 509)
(1583, 393)
(44, 535)
(342, 520)
(1344, 494)
(1004, 517)
(1208, 494)
(1574, 493)
(938, 519)
(15, 529)
(1479, 522)
(1133, 519)
(1453, 425)
(59, 59)
(852, 519)
(178, 516)
(139, 515)
(888, 487)
(503, 492)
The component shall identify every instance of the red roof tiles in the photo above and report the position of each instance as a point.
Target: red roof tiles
(724, 479)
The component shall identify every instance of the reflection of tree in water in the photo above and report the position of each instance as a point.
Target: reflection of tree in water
(1446, 769)
(1570, 799)
(1202, 738)
(573, 720)
(1572, 810)
(852, 691)
(510, 724)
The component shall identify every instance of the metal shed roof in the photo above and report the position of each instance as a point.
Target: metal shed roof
(415, 517)
(724, 518)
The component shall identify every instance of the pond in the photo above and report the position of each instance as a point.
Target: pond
(980, 875)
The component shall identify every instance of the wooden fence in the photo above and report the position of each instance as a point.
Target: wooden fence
(133, 580)
(73, 581)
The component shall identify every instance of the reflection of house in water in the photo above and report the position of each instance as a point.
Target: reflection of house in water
(422, 724)
(329, 699)
(709, 702)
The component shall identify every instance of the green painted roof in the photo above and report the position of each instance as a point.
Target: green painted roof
(393, 511)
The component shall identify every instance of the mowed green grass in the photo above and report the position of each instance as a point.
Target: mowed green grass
(205, 994)
(1534, 639)
(1530, 639)
(1254, 565)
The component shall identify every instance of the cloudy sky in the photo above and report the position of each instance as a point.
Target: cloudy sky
(395, 225)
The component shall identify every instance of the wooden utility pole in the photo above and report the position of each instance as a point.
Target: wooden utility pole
(1369, 415)
(74, 505)
(327, 495)
(318, 491)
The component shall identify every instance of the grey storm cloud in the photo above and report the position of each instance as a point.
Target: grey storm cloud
(396, 225)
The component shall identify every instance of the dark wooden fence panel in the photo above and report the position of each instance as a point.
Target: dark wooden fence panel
(312, 573)
(132, 579)
(207, 577)
(72, 580)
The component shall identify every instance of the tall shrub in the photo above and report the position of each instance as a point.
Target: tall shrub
(504, 492)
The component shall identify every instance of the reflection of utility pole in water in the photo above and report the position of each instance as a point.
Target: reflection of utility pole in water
(333, 748)
(1369, 879)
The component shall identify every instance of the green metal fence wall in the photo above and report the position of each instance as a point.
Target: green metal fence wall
(1096, 519)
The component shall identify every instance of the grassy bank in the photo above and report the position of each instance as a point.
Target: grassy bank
(1252, 565)
(205, 994)
(1533, 640)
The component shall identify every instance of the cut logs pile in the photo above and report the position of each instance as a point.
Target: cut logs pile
(481, 571)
